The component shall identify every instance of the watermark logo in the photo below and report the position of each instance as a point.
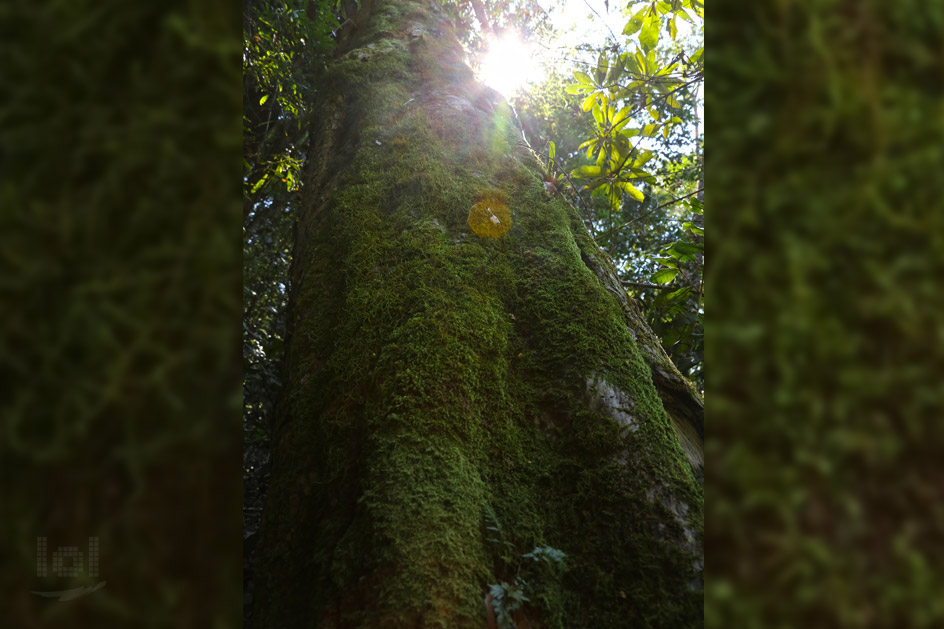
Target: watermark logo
(68, 562)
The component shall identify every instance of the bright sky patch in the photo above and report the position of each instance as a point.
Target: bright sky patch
(509, 65)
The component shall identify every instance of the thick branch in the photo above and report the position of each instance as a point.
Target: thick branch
(479, 11)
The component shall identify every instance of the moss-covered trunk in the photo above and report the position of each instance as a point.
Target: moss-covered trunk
(444, 384)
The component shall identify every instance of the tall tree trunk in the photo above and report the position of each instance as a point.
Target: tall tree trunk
(440, 380)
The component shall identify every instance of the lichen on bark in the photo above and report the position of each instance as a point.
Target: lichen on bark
(433, 375)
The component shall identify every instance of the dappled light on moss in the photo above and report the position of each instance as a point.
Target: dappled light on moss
(490, 217)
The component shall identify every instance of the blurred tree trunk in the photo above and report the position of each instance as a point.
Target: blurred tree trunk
(442, 381)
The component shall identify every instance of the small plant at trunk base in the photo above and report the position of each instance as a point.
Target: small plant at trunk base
(543, 566)
(506, 600)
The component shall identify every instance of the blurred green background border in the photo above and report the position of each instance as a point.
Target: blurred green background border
(120, 240)
(825, 143)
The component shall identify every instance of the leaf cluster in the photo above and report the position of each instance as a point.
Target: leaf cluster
(633, 167)
(543, 566)
(286, 44)
(633, 94)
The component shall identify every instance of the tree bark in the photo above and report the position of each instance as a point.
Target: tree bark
(439, 380)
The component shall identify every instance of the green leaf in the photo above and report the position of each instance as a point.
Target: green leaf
(615, 158)
(263, 99)
(601, 158)
(588, 102)
(586, 171)
(649, 36)
(630, 63)
(602, 69)
(679, 295)
(684, 251)
(583, 77)
(644, 157)
(620, 141)
(259, 184)
(669, 262)
(591, 144)
(632, 191)
(667, 71)
(577, 88)
(670, 337)
(621, 118)
(616, 71)
(551, 150)
(634, 23)
(613, 196)
(687, 248)
(664, 276)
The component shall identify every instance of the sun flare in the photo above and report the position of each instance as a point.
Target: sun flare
(509, 65)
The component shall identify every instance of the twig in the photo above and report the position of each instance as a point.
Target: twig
(655, 286)
(641, 216)
(615, 41)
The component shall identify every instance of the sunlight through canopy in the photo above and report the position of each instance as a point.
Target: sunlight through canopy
(509, 65)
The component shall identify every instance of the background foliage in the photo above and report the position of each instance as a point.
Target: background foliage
(285, 46)
(824, 502)
(622, 137)
(119, 285)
